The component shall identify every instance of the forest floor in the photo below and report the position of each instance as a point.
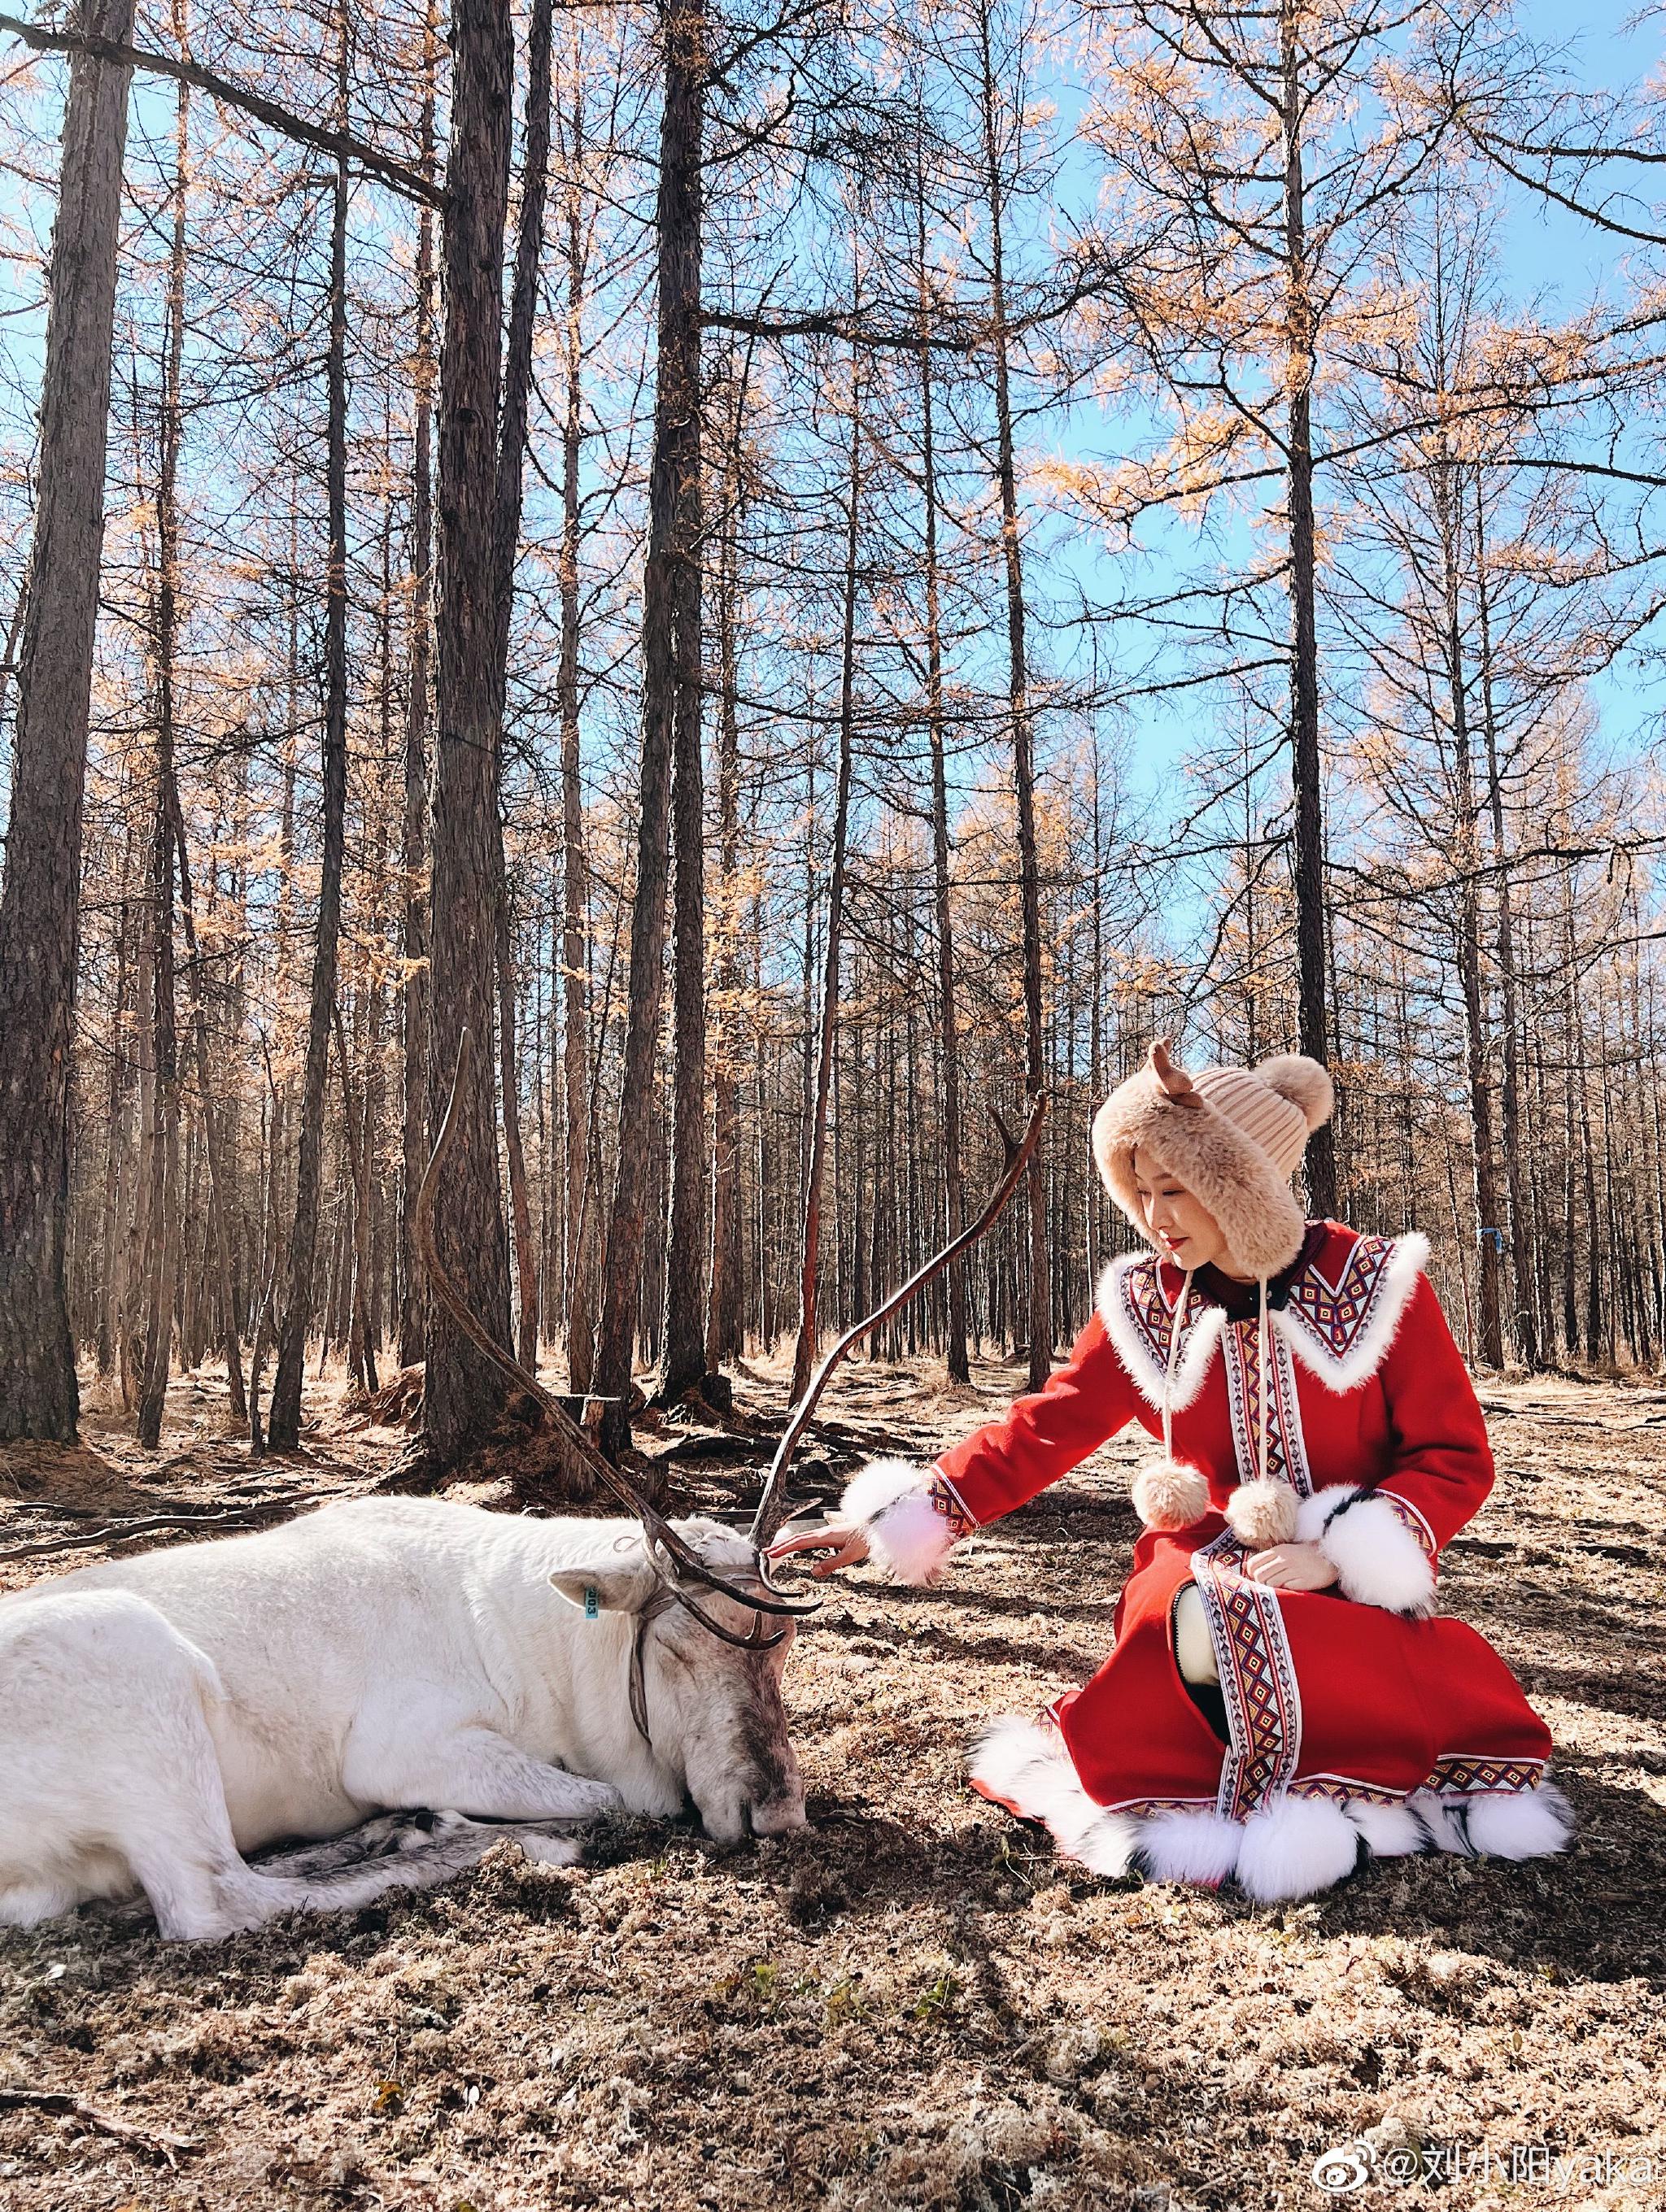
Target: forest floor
(911, 2003)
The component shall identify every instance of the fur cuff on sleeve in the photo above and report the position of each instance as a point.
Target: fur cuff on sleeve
(1373, 1544)
(911, 1517)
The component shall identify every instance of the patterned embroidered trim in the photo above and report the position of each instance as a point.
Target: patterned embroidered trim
(1339, 1789)
(1342, 1330)
(1140, 1806)
(1408, 1515)
(1346, 1789)
(1138, 1319)
(947, 1502)
(1257, 1679)
(1464, 1773)
(1286, 1446)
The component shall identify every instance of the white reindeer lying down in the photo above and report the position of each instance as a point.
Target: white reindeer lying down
(161, 1715)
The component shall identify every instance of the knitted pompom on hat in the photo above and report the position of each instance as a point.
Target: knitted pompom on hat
(1233, 1136)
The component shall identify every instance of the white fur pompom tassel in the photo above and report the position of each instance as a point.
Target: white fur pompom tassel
(1297, 1847)
(1262, 1514)
(892, 1502)
(1531, 1825)
(1168, 1494)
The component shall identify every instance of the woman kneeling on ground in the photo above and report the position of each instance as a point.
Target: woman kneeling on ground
(1281, 1699)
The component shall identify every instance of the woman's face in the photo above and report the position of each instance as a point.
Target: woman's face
(1183, 1228)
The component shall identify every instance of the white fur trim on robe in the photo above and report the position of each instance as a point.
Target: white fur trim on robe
(891, 1501)
(1365, 1354)
(1517, 1824)
(1206, 1326)
(1378, 1560)
(1295, 1848)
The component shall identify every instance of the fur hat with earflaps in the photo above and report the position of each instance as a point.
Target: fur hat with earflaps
(1234, 1136)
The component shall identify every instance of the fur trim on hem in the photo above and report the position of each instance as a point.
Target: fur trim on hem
(1527, 1824)
(1024, 1766)
(891, 1500)
(1378, 1560)
(1395, 1287)
(1201, 1847)
(1294, 1849)
(1391, 1832)
(1204, 1334)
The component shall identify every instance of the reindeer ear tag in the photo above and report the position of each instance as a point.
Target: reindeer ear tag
(593, 1602)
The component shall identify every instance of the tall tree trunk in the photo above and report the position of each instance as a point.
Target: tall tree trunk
(1526, 1324)
(115, 1158)
(1489, 1315)
(1040, 1326)
(583, 1200)
(954, 1180)
(521, 1207)
(804, 1351)
(414, 851)
(168, 794)
(361, 1359)
(283, 1418)
(464, 1394)
(131, 1347)
(271, 1272)
(508, 1078)
(219, 1167)
(684, 1360)
(505, 541)
(39, 904)
(673, 492)
(165, 1227)
(161, 1252)
(1309, 870)
(725, 1333)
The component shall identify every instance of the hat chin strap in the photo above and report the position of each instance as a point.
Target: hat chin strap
(1175, 1329)
(1264, 1347)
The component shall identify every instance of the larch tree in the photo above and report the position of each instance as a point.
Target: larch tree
(284, 1415)
(40, 901)
(464, 1394)
(414, 835)
(506, 546)
(1255, 151)
(670, 595)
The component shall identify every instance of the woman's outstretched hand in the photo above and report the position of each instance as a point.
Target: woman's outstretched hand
(1291, 1566)
(849, 1546)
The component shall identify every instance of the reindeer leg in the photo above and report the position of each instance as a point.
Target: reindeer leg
(466, 1770)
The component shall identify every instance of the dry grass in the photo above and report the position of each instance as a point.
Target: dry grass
(911, 2004)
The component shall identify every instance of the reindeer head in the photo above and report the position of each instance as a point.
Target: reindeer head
(705, 1676)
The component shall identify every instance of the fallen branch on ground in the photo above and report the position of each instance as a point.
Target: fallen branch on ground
(63, 2100)
(119, 1532)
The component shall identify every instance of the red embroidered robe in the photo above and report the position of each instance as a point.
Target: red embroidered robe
(1358, 1690)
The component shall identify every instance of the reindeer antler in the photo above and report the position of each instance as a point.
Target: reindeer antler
(661, 1536)
(771, 1506)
